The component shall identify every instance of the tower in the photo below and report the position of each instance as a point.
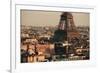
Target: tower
(66, 28)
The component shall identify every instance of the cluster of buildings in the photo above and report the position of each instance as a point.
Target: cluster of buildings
(37, 46)
(37, 42)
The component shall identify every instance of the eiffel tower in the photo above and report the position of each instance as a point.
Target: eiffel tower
(66, 28)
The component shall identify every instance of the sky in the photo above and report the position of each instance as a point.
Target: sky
(47, 18)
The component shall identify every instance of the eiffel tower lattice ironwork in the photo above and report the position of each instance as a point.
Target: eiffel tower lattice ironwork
(66, 28)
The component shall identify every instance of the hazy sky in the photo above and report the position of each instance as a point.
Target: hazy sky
(43, 18)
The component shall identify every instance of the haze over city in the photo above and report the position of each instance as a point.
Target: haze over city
(47, 18)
